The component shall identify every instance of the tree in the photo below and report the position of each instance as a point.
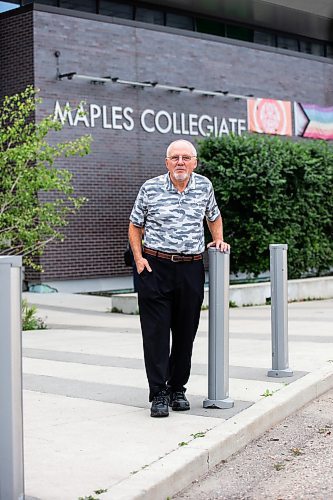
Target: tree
(36, 194)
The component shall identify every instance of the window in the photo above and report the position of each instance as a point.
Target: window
(264, 38)
(210, 26)
(116, 9)
(149, 15)
(284, 42)
(239, 33)
(329, 50)
(54, 3)
(179, 21)
(82, 5)
(314, 48)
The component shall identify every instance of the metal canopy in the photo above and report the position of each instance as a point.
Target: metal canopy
(307, 18)
(155, 85)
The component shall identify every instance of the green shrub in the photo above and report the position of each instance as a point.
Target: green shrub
(29, 319)
(272, 190)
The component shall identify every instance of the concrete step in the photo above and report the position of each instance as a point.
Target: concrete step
(249, 294)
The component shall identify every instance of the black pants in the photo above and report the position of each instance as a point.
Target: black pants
(170, 299)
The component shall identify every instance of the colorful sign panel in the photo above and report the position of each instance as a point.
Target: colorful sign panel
(312, 121)
(269, 116)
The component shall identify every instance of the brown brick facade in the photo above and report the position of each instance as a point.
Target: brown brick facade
(121, 160)
(16, 49)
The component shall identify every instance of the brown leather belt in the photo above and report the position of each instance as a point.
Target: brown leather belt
(176, 257)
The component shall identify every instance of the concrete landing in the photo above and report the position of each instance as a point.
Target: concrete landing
(86, 413)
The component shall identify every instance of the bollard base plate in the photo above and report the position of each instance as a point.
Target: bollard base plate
(218, 403)
(287, 372)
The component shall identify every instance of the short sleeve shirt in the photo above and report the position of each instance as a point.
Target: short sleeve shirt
(173, 221)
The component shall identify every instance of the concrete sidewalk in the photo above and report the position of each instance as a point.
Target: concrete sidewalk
(86, 413)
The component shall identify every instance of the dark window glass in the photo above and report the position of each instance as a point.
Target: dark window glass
(284, 42)
(211, 27)
(179, 21)
(264, 38)
(149, 15)
(82, 5)
(116, 9)
(49, 2)
(329, 50)
(318, 49)
(239, 33)
(314, 48)
(4, 6)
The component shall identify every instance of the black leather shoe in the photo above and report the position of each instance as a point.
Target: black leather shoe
(178, 401)
(160, 404)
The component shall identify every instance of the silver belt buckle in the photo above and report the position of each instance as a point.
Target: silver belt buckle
(175, 257)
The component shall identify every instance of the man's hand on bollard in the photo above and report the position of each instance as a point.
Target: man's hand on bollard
(219, 245)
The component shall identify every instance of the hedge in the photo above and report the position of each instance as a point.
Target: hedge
(272, 190)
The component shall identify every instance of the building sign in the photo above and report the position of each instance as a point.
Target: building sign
(264, 116)
(313, 121)
(269, 116)
(150, 120)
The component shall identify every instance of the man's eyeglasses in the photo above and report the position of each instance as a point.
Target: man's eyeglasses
(184, 158)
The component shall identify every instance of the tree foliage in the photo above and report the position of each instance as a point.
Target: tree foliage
(36, 194)
(272, 190)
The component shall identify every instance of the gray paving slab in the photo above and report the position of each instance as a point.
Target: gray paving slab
(86, 413)
(245, 372)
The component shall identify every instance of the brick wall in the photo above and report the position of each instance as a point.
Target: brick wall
(16, 52)
(121, 160)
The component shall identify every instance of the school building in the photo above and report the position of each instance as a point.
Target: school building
(149, 73)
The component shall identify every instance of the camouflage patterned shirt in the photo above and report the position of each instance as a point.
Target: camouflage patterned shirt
(173, 221)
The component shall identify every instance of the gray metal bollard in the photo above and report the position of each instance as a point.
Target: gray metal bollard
(279, 311)
(218, 331)
(11, 420)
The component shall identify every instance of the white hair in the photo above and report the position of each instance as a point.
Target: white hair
(194, 151)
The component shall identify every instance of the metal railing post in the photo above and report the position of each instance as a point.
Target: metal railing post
(279, 311)
(11, 419)
(218, 331)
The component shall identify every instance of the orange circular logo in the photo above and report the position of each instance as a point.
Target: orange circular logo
(271, 117)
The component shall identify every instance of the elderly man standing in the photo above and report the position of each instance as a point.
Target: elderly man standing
(171, 208)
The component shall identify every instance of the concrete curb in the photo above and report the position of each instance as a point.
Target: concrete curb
(180, 467)
(248, 294)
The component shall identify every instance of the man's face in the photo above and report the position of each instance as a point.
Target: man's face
(181, 162)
